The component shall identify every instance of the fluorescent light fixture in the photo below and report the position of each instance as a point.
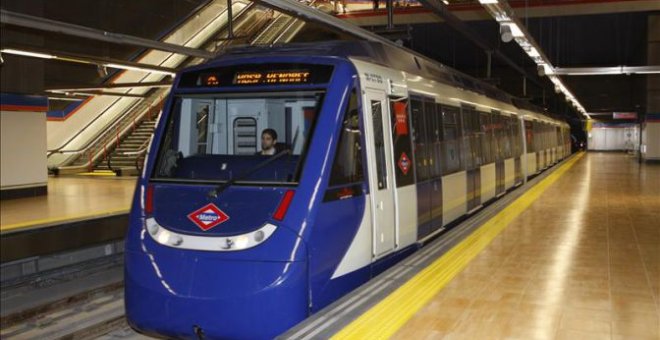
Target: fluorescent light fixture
(66, 99)
(28, 54)
(516, 31)
(487, 2)
(615, 70)
(136, 68)
(533, 53)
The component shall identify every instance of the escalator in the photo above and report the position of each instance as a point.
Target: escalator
(251, 24)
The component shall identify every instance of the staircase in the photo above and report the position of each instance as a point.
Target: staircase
(128, 156)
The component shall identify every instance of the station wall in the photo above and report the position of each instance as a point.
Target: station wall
(614, 137)
(23, 169)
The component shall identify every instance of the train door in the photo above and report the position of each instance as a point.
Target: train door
(474, 156)
(381, 176)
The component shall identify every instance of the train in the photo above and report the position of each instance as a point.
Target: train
(376, 151)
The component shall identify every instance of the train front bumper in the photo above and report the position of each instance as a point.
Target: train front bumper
(225, 299)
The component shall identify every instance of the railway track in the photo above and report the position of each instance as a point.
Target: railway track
(83, 301)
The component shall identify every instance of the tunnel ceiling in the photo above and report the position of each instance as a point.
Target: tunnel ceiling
(569, 41)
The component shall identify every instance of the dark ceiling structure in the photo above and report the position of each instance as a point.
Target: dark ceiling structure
(613, 39)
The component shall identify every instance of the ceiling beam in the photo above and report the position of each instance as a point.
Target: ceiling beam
(295, 8)
(441, 10)
(87, 59)
(597, 71)
(42, 24)
(113, 86)
(95, 93)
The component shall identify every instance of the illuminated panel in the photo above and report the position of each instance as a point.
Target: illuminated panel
(272, 77)
(276, 74)
(211, 80)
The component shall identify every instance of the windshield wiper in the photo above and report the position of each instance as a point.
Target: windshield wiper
(220, 188)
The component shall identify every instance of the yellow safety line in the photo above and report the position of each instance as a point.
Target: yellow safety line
(97, 173)
(46, 221)
(385, 318)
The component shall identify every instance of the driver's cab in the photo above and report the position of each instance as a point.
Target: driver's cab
(219, 138)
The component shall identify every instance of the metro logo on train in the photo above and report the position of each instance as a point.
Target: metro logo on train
(404, 163)
(208, 217)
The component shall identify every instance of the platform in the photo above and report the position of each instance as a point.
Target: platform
(69, 198)
(577, 256)
(61, 221)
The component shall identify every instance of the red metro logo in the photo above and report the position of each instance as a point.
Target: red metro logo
(208, 216)
(404, 163)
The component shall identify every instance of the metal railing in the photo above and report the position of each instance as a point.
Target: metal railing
(111, 137)
(142, 150)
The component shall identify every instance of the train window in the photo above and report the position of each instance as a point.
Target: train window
(347, 166)
(473, 154)
(379, 137)
(213, 138)
(419, 138)
(514, 128)
(451, 142)
(432, 138)
(202, 117)
(529, 136)
(403, 156)
(485, 137)
(497, 137)
(504, 137)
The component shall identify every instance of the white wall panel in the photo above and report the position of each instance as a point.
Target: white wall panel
(23, 149)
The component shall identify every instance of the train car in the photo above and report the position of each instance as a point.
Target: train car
(377, 150)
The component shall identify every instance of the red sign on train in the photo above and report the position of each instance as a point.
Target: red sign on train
(401, 116)
(208, 216)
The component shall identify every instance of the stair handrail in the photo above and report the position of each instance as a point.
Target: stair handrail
(141, 150)
(97, 137)
(102, 151)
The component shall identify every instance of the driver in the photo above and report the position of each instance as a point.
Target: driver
(268, 141)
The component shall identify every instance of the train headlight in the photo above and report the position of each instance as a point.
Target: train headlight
(152, 226)
(163, 237)
(259, 236)
(210, 243)
(242, 242)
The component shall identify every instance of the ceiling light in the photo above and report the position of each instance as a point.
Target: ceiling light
(506, 34)
(136, 68)
(486, 2)
(102, 71)
(28, 54)
(66, 99)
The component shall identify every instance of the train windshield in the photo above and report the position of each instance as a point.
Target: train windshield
(252, 138)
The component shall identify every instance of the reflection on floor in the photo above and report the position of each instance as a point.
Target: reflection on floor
(69, 198)
(583, 262)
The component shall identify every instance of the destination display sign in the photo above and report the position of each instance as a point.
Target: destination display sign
(258, 75)
(272, 77)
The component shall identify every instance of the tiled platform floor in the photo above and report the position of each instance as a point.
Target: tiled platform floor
(69, 198)
(583, 262)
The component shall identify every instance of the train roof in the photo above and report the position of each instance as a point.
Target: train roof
(378, 53)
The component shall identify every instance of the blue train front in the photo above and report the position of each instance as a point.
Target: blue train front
(221, 237)
(368, 152)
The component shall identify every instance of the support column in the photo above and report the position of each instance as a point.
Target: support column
(650, 148)
(23, 170)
